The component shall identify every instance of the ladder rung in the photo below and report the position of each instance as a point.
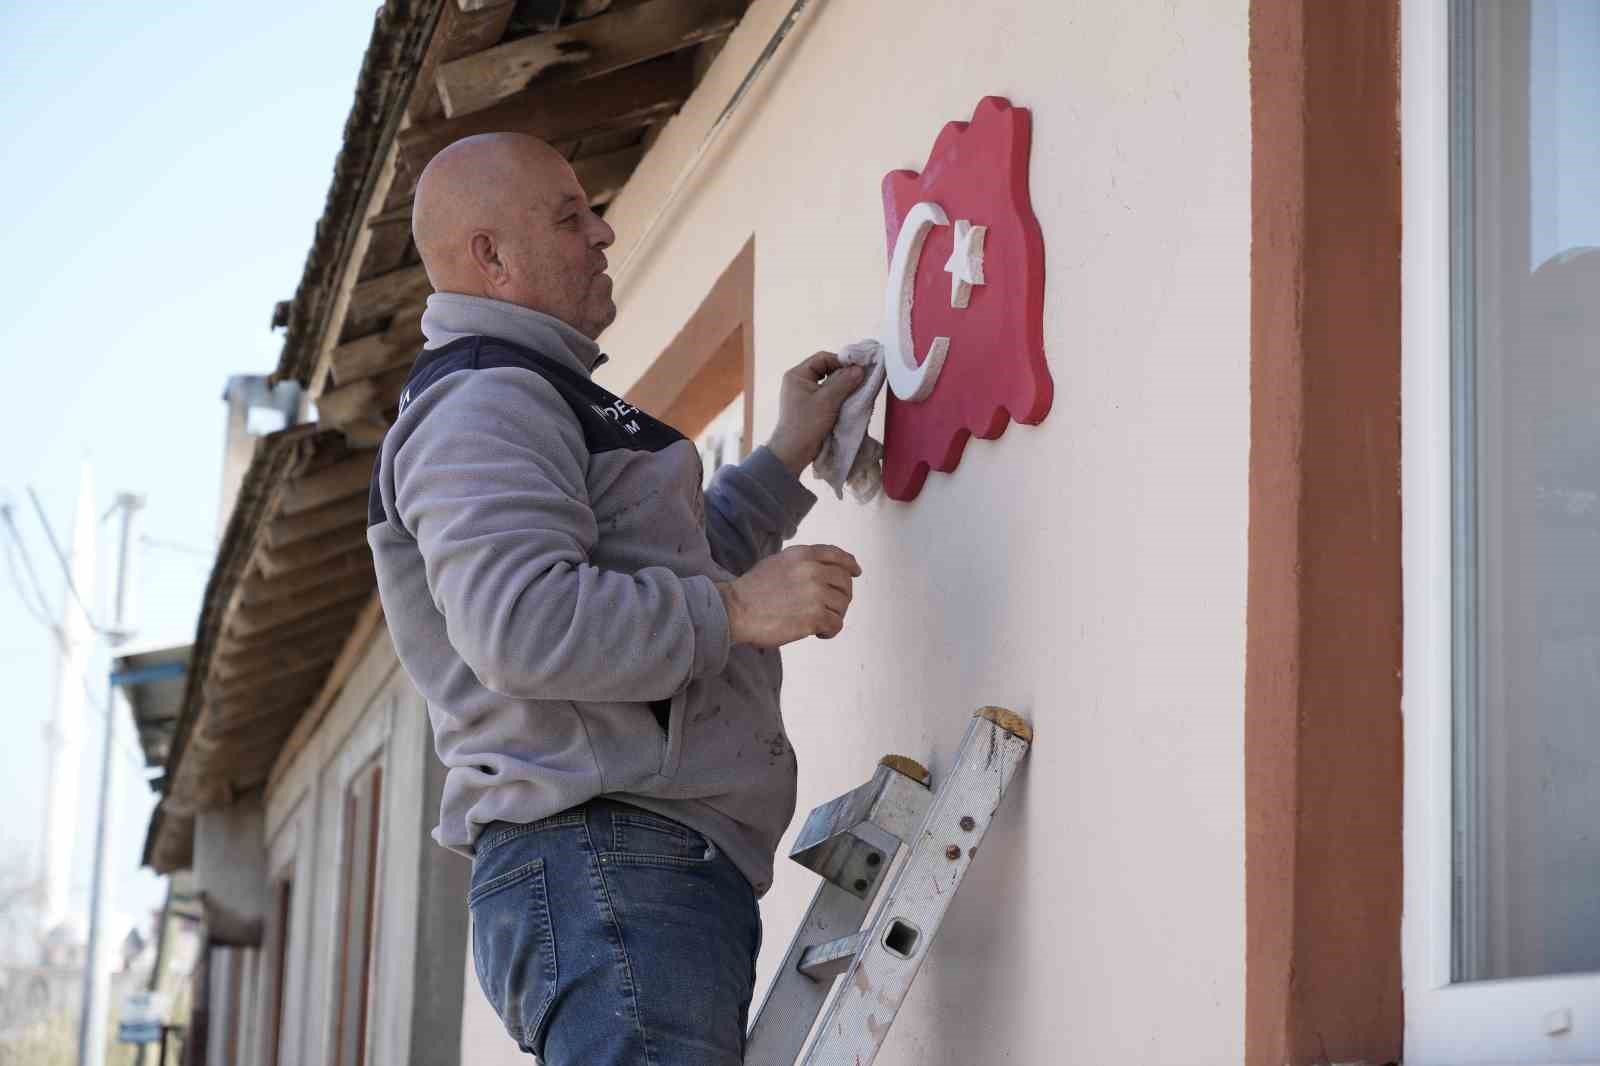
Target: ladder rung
(850, 839)
(824, 962)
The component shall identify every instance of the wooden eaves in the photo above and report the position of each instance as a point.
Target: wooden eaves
(292, 589)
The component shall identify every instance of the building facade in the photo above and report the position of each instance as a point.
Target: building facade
(1302, 632)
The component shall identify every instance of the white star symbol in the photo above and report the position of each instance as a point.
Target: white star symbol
(965, 265)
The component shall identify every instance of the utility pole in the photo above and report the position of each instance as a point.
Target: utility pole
(75, 638)
(92, 1021)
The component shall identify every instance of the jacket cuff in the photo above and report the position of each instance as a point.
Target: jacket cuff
(710, 617)
(794, 500)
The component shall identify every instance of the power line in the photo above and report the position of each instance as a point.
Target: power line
(107, 713)
(174, 546)
(22, 593)
(60, 640)
(34, 611)
(39, 608)
(66, 567)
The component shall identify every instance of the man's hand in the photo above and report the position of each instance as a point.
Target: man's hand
(802, 591)
(808, 406)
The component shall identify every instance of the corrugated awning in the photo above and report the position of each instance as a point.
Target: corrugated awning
(153, 682)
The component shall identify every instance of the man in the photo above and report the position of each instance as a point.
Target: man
(596, 638)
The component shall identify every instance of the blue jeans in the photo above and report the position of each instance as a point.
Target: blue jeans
(609, 936)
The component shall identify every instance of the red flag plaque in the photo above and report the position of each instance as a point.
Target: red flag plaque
(963, 330)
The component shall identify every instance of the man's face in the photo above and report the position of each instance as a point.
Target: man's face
(555, 255)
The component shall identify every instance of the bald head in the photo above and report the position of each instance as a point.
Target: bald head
(502, 215)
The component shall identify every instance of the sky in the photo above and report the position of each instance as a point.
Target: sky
(165, 169)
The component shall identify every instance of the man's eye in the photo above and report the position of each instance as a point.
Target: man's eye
(568, 221)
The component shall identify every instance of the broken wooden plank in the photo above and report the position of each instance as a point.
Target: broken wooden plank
(580, 51)
(634, 96)
(348, 477)
(458, 33)
(389, 292)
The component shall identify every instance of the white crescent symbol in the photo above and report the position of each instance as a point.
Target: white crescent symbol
(907, 379)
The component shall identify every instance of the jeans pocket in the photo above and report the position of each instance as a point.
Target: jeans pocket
(672, 742)
(514, 949)
(649, 839)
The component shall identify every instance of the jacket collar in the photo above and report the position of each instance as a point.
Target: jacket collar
(451, 316)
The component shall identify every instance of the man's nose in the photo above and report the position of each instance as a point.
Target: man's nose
(600, 234)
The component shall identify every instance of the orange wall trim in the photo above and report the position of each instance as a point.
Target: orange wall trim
(1322, 680)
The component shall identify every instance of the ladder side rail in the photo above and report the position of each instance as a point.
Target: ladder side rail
(789, 1010)
(858, 1017)
(794, 1000)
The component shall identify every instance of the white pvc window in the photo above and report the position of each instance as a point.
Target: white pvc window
(1502, 529)
(723, 441)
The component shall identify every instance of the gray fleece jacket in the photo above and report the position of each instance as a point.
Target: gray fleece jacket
(547, 561)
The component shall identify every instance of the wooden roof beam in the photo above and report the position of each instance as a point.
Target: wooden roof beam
(286, 656)
(232, 720)
(340, 514)
(355, 649)
(248, 746)
(348, 477)
(376, 352)
(584, 50)
(290, 632)
(254, 620)
(633, 96)
(367, 432)
(296, 569)
(341, 552)
(388, 293)
(265, 685)
(461, 31)
(350, 403)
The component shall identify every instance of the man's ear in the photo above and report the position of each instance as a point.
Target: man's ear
(485, 253)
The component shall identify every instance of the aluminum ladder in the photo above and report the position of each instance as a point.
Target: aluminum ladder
(852, 843)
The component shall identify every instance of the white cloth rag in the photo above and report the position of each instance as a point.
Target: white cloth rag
(849, 458)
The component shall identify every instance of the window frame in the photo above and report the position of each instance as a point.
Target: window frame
(1474, 1023)
(289, 863)
(281, 899)
(361, 836)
